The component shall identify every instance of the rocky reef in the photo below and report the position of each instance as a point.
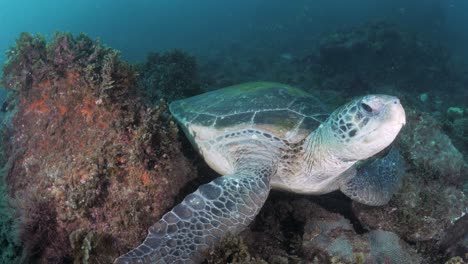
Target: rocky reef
(90, 166)
(170, 75)
(90, 156)
(375, 54)
(9, 240)
(377, 58)
(433, 198)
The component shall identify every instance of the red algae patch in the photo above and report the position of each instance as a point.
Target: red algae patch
(104, 164)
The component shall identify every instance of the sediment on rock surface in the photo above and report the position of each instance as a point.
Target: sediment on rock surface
(101, 164)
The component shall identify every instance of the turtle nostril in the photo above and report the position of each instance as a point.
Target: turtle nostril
(396, 101)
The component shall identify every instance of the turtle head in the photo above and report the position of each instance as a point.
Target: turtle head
(366, 125)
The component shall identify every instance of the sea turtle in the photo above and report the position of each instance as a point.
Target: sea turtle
(266, 135)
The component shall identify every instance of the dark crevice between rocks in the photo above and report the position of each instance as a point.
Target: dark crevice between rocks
(337, 202)
(276, 232)
(451, 242)
(292, 229)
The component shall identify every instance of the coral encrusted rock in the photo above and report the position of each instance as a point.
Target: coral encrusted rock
(92, 167)
(330, 238)
(432, 197)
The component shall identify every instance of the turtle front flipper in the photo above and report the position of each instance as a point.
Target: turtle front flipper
(375, 183)
(225, 205)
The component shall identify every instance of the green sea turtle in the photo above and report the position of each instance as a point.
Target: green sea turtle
(267, 135)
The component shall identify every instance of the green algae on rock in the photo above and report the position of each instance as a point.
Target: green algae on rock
(432, 196)
(10, 242)
(329, 235)
(170, 75)
(78, 138)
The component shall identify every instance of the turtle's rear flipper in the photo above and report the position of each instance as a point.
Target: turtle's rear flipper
(226, 205)
(375, 183)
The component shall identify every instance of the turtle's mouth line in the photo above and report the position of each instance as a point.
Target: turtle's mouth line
(364, 136)
(389, 131)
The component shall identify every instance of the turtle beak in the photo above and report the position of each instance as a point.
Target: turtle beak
(397, 111)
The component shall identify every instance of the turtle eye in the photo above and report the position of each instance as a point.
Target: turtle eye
(366, 107)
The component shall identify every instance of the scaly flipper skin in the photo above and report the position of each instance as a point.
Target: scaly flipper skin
(375, 183)
(257, 133)
(225, 205)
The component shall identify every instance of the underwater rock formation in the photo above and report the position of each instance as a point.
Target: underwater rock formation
(421, 211)
(295, 229)
(455, 239)
(351, 61)
(170, 75)
(90, 166)
(432, 198)
(431, 151)
(330, 236)
(9, 240)
(456, 124)
(356, 60)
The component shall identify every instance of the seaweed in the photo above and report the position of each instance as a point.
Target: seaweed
(10, 242)
(360, 59)
(38, 230)
(25, 62)
(91, 247)
(33, 60)
(9, 238)
(232, 249)
(93, 154)
(170, 75)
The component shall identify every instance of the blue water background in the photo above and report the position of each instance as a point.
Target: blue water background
(199, 26)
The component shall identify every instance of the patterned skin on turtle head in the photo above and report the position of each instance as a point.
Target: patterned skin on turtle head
(369, 123)
(267, 135)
